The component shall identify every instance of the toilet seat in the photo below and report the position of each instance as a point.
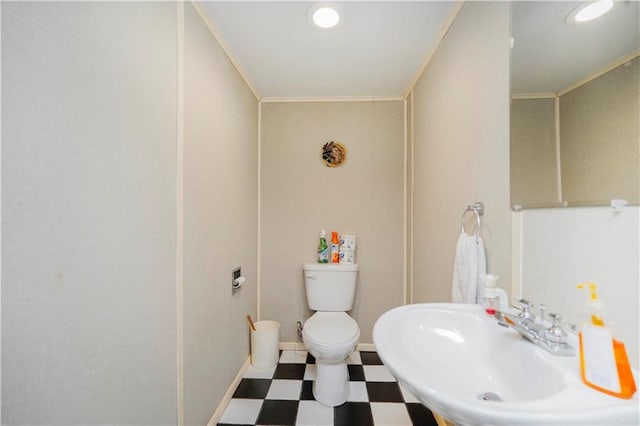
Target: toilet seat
(331, 329)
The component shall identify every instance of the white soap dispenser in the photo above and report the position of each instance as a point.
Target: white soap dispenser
(495, 298)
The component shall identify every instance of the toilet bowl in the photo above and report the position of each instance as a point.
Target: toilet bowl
(330, 335)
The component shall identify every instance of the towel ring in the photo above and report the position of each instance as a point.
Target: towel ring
(477, 209)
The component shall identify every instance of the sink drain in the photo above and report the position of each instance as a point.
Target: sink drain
(489, 396)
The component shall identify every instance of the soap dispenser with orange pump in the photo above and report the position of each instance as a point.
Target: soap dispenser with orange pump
(604, 364)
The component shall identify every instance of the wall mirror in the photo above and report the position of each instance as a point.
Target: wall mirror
(575, 106)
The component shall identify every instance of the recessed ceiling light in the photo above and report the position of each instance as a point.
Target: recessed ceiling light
(589, 11)
(325, 15)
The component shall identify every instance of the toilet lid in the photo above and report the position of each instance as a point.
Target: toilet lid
(328, 328)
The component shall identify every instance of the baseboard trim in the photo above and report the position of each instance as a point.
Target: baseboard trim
(292, 346)
(299, 346)
(285, 346)
(217, 415)
(367, 347)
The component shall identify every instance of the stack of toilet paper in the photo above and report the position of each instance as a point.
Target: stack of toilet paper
(348, 249)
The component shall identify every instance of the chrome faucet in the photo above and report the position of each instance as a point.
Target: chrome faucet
(553, 339)
(526, 313)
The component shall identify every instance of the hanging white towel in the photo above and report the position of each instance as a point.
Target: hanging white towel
(470, 263)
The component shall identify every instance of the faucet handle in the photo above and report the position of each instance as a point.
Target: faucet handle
(526, 309)
(556, 334)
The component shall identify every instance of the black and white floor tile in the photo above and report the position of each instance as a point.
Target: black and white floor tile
(282, 396)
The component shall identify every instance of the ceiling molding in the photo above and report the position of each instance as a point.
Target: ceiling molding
(218, 36)
(444, 29)
(611, 66)
(533, 96)
(333, 99)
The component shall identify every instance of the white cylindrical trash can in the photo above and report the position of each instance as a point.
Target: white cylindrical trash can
(264, 344)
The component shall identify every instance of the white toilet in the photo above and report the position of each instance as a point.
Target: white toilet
(330, 335)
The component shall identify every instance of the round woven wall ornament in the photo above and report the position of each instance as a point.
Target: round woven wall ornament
(334, 154)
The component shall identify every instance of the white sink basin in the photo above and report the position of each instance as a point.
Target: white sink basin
(451, 356)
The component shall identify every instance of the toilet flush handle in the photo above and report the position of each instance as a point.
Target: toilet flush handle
(310, 276)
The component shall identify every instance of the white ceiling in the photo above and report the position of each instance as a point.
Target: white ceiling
(549, 55)
(380, 47)
(376, 51)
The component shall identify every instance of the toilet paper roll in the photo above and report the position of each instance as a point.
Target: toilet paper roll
(238, 282)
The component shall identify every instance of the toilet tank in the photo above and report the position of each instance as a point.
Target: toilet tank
(330, 286)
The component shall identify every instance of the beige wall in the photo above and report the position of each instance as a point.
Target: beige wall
(300, 196)
(220, 218)
(599, 134)
(90, 209)
(534, 165)
(461, 125)
(88, 213)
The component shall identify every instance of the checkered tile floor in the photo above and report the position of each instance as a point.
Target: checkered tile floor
(282, 396)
